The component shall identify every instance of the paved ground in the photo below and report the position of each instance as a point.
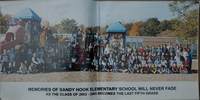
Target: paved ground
(94, 76)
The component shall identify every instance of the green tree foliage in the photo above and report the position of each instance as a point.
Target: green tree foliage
(93, 29)
(175, 22)
(181, 7)
(67, 26)
(150, 27)
(128, 26)
(165, 25)
(3, 23)
(135, 28)
(188, 14)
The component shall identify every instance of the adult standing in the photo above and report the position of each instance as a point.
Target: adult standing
(190, 61)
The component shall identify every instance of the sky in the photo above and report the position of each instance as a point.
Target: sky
(89, 12)
(55, 10)
(131, 11)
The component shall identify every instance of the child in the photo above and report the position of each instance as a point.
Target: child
(164, 66)
(157, 63)
(22, 68)
(115, 66)
(175, 69)
(9, 67)
(153, 69)
(103, 65)
(130, 64)
(183, 68)
(31, 68)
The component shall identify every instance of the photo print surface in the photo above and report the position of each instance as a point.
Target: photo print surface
(99, 49)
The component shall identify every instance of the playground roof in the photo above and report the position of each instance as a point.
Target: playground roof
(116, 27)
(29, 14)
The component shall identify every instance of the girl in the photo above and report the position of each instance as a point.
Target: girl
(183, 68)
(164, 65)
(144, 66)
(175, 69)
(157, 63)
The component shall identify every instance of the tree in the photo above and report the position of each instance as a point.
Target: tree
(67, 26)
(135, 29)
(180, 8)
(150, 27)
(103, 29)
(45, 24)
(188, 27)
(165, 25)
(3, 23)
(188, 15)
(128, 26)
(175, 22)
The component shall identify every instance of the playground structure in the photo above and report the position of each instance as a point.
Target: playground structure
(16, 34)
